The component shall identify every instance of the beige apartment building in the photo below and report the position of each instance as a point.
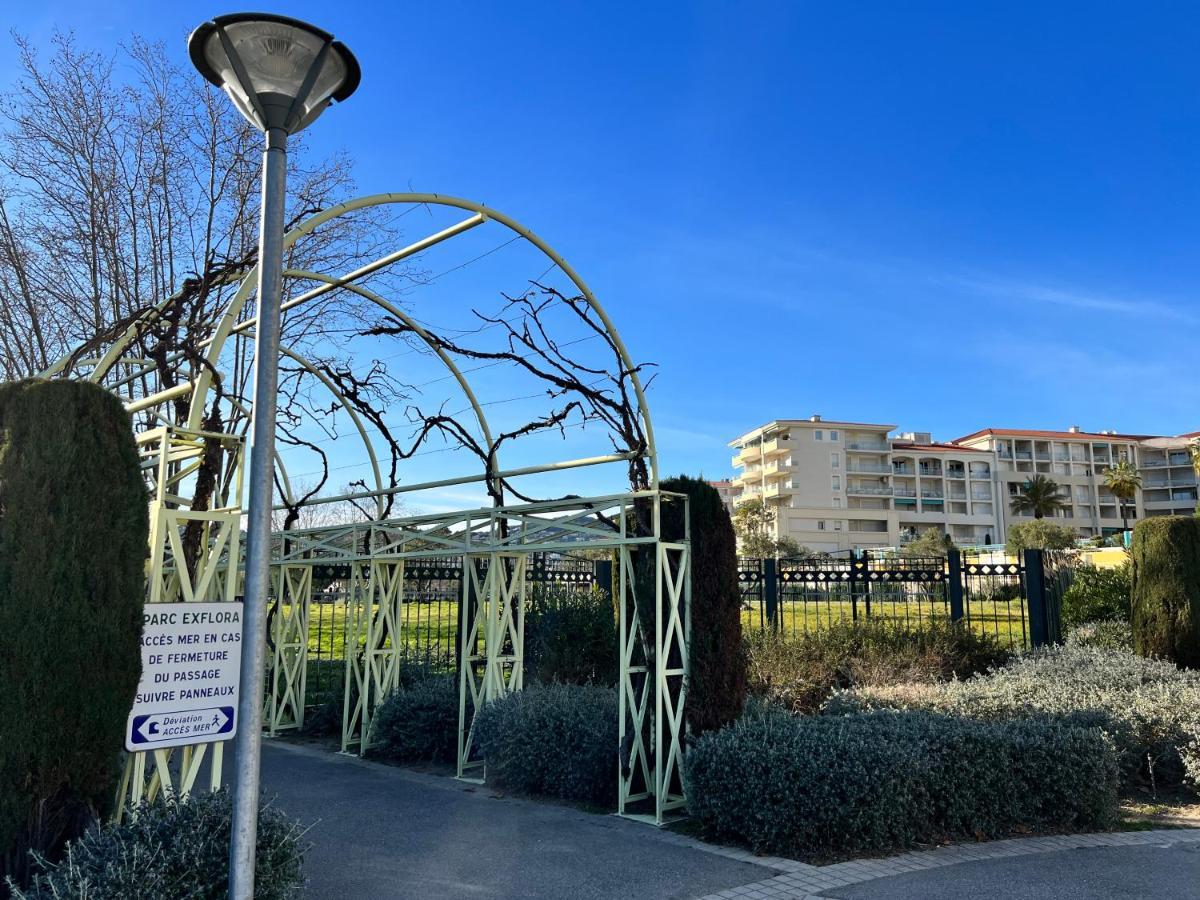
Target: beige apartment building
(852, 485)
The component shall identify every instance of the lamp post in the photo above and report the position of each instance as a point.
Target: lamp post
(280, 73)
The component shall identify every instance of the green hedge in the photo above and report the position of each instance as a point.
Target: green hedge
(873, 781)
(557, 740)
(1150, 709)
(418, 723)
(1166, 588)
(571, 636)
(1098, 595)
(169, 850)
(73, 540)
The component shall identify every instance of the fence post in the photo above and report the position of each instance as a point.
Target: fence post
(770, 589)
(602, 570)
(955, 572)
(1035, 593)
(858, 584)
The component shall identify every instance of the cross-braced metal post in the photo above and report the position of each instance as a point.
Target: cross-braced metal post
(288, 662)
(492, 647)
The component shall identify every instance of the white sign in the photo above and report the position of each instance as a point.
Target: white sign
(191, 656)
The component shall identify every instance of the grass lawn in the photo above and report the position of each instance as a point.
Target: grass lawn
(812, 612)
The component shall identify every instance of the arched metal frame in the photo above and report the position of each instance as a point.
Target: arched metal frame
(493, 542)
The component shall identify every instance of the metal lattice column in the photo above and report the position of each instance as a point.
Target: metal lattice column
(494, 613)
(283, 706)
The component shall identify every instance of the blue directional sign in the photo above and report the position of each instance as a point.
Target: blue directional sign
(186, 726)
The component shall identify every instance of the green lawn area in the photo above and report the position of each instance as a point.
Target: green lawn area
(804, 612)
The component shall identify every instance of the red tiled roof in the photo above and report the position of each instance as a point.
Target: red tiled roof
(936, 447)
(1032, 433)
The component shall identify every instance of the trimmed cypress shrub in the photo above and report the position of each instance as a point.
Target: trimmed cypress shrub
(1166, 589)
(73, 528)
(717, 663)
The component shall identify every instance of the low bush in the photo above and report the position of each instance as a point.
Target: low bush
(1110, 635)
(168, 850)
(800, 672)
(870, 781)
(1039, 534)
(418, 723)
(1149, 708)
(559, 740)
(1004, 592)
(570, 636)
(1098, 595)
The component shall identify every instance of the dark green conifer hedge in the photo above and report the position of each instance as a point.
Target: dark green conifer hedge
(717, 664)
(73, 529)
(1166, 589)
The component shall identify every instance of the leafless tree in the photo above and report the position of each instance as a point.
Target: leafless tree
(129, 200)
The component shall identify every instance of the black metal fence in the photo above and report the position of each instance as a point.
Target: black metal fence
(430, 616)
(1016, 599)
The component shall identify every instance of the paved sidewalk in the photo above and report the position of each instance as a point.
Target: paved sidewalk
(384, 832)
(1161, 864)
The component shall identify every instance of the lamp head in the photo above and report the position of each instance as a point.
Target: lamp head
(279, 72)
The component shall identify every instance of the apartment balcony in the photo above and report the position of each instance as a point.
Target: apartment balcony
(777, 490)
(903, 470)
(772, 446)
(1183, 480)
(932, 471)
(930, 494)
(1022, 454)
(1179, 459)
(868, 446)
(868, 490)
(956, 473)
(904, 492)
(748, 454)
(866, 467)
(867, 526)
(1154, 463)
(777, 467)
(984, 474)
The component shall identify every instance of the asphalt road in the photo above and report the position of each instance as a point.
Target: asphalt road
(1163, 872)
(383, 832)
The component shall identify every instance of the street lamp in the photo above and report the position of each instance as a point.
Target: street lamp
(281, 74)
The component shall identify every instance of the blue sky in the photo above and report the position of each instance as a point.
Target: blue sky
(942, 215)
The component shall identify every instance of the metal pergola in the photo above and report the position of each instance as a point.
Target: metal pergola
(494, 543)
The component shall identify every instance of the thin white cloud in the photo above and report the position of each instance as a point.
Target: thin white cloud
(1074, 298)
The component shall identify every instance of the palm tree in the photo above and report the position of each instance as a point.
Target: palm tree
(1040, 496)
(1124, 481)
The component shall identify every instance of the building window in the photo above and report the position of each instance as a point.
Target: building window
(837, 502)
(837, 524)
(835, 460)
(820, 524)
(819, 435)
(837, 482)
(833, 435)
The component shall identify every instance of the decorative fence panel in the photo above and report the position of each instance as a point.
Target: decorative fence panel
(428, 618)
(1015, 599)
